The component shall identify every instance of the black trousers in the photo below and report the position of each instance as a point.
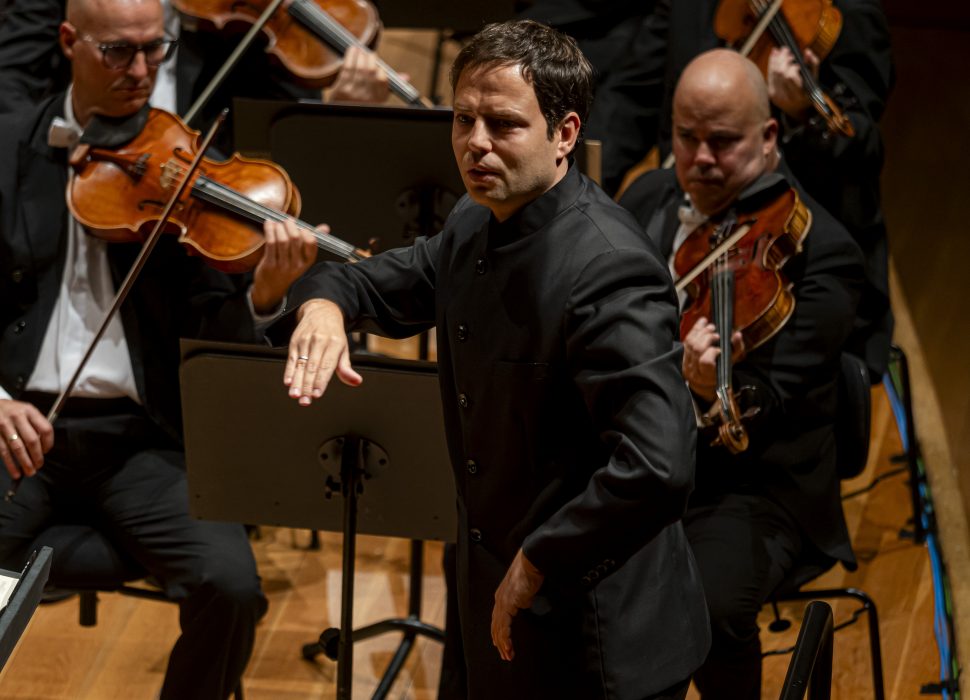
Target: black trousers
(744, 545)
(121, 476)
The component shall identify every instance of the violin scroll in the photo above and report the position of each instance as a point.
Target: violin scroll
(726, 417)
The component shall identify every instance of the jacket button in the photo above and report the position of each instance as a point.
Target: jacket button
(17, 275)
(462, 332)
(472, 466)
(480, 266)
(475, 534)
(463, 401)
(19, 326)
(20, 382)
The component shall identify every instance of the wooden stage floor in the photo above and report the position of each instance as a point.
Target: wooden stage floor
(124, 655)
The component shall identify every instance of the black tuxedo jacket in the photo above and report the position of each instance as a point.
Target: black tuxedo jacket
(175, 295)
(791, 456)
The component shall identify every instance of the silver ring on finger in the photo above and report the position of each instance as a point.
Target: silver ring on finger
(13, 438)
(303, 358)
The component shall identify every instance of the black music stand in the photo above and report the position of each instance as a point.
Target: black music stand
(380, 446)
(367, 171)
(23, 600)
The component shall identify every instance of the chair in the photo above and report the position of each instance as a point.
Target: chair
(852, 427)
(88, 564)
(810, 669)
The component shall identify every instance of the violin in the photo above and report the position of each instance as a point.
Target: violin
(118, 194)
(309, 39)
(731, 273)
(757, 26)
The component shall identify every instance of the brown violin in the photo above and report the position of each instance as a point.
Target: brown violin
(757, 26)
(308, 38)
(119, 194)
(731, 273)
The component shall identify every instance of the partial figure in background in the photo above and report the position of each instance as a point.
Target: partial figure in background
(840, 172)
(756, 514)
(604, 30)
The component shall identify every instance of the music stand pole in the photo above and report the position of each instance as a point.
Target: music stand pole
(350, 471)
(355, 455)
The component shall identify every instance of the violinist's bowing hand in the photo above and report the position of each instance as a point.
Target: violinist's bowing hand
(288, 252)
(318, 348)
(701, 349)
(25, 435)
(785, 86)
(361, 79)
(516, 592)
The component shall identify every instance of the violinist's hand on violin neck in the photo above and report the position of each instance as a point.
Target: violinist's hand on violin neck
(786, 89)
(701, 349)
(318, 348)
(288, 252)
(361, 79)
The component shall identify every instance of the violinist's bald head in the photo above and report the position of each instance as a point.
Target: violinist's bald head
(723, 77)
(101, 84)
(724, 136)
(91, 15)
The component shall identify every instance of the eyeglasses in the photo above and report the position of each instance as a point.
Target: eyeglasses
(119, 55)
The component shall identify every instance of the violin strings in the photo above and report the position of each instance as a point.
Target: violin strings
(338, 36)
(722, 305)
(217, 193)
(782, 32)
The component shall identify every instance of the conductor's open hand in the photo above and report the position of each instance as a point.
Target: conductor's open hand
(521, 583)
(25, 435)
(318, 348)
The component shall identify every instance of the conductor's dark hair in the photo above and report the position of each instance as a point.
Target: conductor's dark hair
(551, 62)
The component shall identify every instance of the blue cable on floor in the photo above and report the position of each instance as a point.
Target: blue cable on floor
(942, 619)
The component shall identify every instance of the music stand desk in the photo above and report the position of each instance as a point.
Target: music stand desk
(24, 600)
(370, 459)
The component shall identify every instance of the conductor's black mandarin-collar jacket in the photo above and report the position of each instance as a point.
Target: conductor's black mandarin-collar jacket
(570, 432)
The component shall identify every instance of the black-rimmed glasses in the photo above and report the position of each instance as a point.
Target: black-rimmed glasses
(119, 55)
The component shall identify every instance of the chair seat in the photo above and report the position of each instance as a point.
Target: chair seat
(85, 559)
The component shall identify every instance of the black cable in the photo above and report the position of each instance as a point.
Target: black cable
(872, 484)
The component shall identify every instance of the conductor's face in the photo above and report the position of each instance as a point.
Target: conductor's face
(501, 140)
